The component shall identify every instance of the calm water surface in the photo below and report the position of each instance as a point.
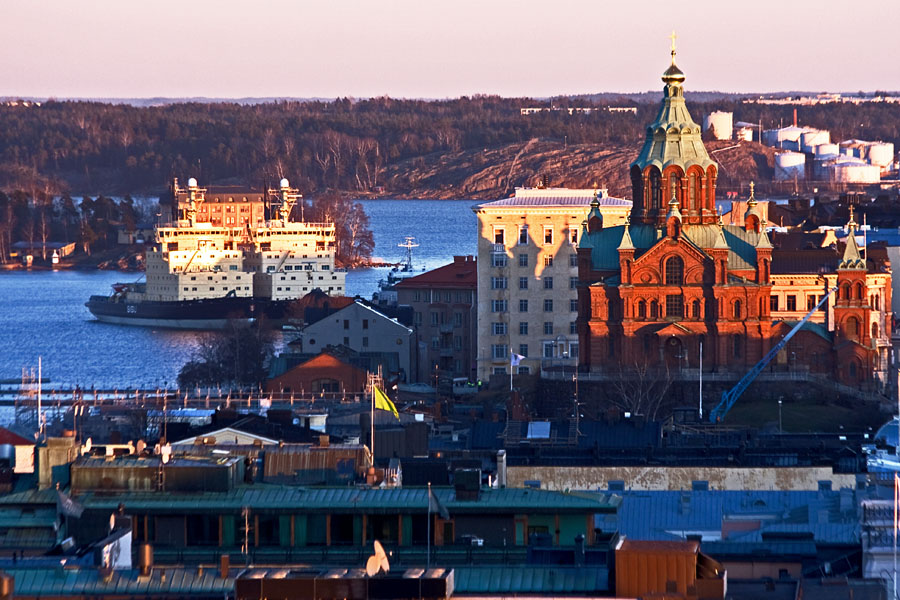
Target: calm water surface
(42, 313)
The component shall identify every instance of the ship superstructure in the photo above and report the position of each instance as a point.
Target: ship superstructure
(229, 251)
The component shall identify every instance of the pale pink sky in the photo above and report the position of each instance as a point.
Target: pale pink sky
(426, 48)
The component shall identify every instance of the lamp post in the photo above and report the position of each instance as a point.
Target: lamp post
(780, 428)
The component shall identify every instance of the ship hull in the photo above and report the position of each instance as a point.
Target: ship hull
(207, 314)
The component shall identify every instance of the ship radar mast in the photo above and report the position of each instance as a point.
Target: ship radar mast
(289, 197)
(409, 243)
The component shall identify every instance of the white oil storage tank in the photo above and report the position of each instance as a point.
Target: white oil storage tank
(811, 138)
(720, 123)
(881, 153)
(783, 137)
(856, 172)
(827, 150)
(790, 165)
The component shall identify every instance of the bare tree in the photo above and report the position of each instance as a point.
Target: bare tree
(641, 388)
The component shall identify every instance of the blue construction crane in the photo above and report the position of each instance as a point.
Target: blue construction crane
(729, 397)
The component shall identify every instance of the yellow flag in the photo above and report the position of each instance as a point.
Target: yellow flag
(384, 403)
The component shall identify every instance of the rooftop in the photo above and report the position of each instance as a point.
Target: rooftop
(562, 197)
(461, 273)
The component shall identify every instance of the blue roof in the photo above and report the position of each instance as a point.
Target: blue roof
(530, 580)
(672, 515)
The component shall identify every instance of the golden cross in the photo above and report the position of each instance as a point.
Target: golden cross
(851, 213)
(752, 185)
(672, 37)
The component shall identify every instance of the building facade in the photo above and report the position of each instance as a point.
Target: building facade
(443, 303)
(527, 275)
(675, 278)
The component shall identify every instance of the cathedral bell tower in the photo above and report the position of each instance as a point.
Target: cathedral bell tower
(673, 162)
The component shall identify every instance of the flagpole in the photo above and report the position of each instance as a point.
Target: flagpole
(428, 555)
(701, 380)
(896, 498)
(372, 422)
(510, 372)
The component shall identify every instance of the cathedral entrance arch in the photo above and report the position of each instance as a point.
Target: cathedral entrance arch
(673, 352)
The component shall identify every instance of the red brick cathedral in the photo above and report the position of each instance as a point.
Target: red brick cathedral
(675, 277)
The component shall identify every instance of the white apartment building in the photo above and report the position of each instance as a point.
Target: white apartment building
(528, 275)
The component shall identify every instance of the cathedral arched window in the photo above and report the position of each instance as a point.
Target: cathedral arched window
(693, 192)
(877, 302)
(674, 271)
(654, 309)
(851, 328)
(695, 309)
(859, 291)
(874, 331)
(845, 291)
(655, 189)
(641, 309)
(674, 185)
(737, 310)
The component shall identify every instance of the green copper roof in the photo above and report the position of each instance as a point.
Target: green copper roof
(673, 138)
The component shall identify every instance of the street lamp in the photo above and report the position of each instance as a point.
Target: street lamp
(780, 428)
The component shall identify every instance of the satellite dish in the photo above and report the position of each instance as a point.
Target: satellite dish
(141, 446)
(378, 561)
(112, 521)
(285, 183)
(192, 182)
(87, 446)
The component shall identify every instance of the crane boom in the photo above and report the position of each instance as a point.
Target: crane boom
(729, 397)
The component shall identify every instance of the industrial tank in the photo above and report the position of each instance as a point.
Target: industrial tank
(828, 150)
(811, 138)
(790, 165)
(720, 123)
(881, 153)
(856, 172)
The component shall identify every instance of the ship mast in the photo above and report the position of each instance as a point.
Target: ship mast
(409, 244)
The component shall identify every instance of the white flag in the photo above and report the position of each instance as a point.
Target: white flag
(516, 359)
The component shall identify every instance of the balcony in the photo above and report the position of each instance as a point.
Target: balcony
(498, 248)
(446, 328)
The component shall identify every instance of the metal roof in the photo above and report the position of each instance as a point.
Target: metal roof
(57, 582)
(346, 499)
(530, 580)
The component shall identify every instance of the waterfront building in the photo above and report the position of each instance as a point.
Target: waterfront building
(443, 304)
(675, 278)
(528, 272)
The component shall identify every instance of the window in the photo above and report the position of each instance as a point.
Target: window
(573, 327)
(573, 283)
(548, 304)
(548, 328)
(498, 328)
(573, 260)
(791, 304)
(573, 305)
(548, 261)
(810, 302)
(674, 271)
(365, 323)
(547, 349)
(457, 343)
(457, 319)
(641, 309)
(821, 306)
(523, 350)
(365, 341)
(498, 306)
(523, 260)
(736, 313)
(499, 371)
(523, 283)
(498, 259)
(573, 350)
(418, 318)
(498, 283)
(654, 309)
(499, 351)
(695, 309)
(523, 328)
(346, 341)
(548, 235)
(573, 235)
(523, 234)
(499, 234)
(548, 283)
(674, 305)
(346, 324)
(434, 319)
(737, 344)
(773, 303)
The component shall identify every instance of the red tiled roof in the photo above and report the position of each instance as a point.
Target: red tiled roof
(13, 439)
(461, 273)
(319, 299)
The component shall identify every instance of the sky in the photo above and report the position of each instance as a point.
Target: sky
(440, 48)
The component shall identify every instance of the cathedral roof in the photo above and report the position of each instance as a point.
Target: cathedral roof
(673, 137)
(605, 243)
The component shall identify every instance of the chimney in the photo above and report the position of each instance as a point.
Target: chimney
(224, 566)
(145, 560)
(501, 468)
(7, 586)
(324, 441)
(795, 117)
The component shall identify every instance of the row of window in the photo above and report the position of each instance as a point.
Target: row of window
(549, 349)
(502, 306)
(499, 259)
(499, 236)
(501, 283)
(439, 319)
(437, 296)
(436, 344)
(500, 328)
